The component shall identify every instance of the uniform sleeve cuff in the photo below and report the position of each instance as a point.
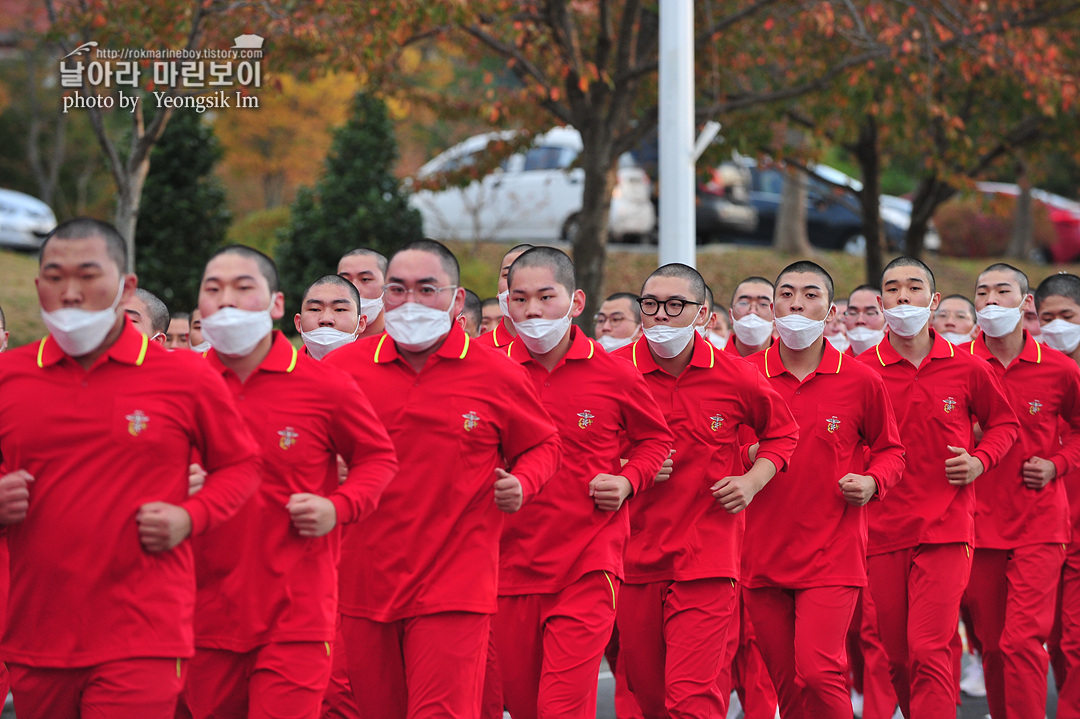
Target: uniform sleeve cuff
(200, 517)
(1059, 465)
(984, 458)
(344, 509)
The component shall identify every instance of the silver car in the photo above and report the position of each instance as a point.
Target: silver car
(24, 220)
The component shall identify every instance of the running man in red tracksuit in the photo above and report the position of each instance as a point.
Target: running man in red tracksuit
(1022, 512)
(801, 584)
(96, 428)
(920, 538)
(267, 582)
(561, 556)
(682, 562)
(418, 586)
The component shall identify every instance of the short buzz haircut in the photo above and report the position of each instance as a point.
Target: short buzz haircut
(489, 302)
(86, 228)
(1021, 278)
(3, 320)
(442, 252)
(472, 309)
(339, 281)
(266, 266)
(811, 268)
(682, 272)
(866, 288)
(709, 299)
(186, 316)
(969, 303)
(722, 314)
(1059, 285)
(550, 258)
(518, 249)
(380, 259)
(634, 307)
(752, 279)
(159, 313)
(905, 261)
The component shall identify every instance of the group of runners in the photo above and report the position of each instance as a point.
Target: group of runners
(409, 517)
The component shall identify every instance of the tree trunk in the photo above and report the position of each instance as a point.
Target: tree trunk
(590, 241)
(929, 195)
(790, 235)
(1022, 241)
(866, 151)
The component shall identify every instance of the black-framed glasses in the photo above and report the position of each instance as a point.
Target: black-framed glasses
(672, 307)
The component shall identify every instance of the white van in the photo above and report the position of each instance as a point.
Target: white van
(24, 220)
(534, 196)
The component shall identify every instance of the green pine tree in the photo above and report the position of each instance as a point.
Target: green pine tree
(183, 217)
(357, 203)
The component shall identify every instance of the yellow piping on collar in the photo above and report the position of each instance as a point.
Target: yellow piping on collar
(41, 353)
(142, 351)
(292, 365)
(378, 347)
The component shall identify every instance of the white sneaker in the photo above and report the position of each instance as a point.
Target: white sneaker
(972, 681)
(898, 714)
(856, 703)
(734, 707)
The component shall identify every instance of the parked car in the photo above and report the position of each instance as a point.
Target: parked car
(534, 195)
(723, 204)
(833, 216)
(24, 220)
(1064, 213)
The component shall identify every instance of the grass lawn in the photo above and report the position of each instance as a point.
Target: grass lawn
(722, 265)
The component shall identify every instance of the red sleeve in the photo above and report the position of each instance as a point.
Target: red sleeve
(228, 452)
(884, 452)
(991, 409)
(530, 442)
(647, 434)
(359, 436)
(1068, 457)
(773, 424)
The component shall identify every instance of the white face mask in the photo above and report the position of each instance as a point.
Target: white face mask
(416, 327)
(798, 331)
(504, 302)
(371, 309)
(863, 338)
(998, 321)
(668, 341)
(203, 346)
(611, 344)
(321, 341)
(751, 330)
(235, 332)
(79, 332)
(839, 341)
(908, 320)
(956, 338)
(1062, 335)
(717, 341)
(541, 335)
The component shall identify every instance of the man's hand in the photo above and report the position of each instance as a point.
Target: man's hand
(1038, 472)
(735, 493)
(665, 469)
(196, 478)
(963, 468)
(162, 526)
(342, 470)
(312, 515)
(858, 489)
(508, 493)
(609, 491)
(15, 496)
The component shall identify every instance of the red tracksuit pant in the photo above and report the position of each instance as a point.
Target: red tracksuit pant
(872, 675)
(1011, 595)
(338, 702)
(124, 689)
(284, 680)
(550, 647)
(1065, 638)
(917, 594)
(744, 670)
(802, 634)
(425, 667)
(672, 639)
